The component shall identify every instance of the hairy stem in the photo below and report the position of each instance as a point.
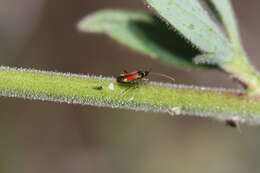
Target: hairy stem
(99, 91)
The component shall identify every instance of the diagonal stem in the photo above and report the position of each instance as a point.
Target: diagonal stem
(105, 92)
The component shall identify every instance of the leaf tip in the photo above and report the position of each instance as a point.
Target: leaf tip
(89, 23)
(80, 26)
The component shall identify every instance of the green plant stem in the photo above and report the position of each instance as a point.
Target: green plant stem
(98, 91)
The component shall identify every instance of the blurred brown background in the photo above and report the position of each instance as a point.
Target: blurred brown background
(39, 137)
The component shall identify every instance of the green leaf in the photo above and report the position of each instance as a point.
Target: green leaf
(223, 10)
(144, 33)
(206, 59)
(192, 21)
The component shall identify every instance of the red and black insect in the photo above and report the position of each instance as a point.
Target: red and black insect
(132, 77)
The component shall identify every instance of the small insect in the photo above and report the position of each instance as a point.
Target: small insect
(98, 87)
(132, 77)
(231, 123)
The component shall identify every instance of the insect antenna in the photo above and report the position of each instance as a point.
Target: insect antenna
(163, 75)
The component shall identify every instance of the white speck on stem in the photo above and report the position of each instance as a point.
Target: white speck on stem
(111, 86)
(174, 111)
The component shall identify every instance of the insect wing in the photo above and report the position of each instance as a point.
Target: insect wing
(129, 74)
